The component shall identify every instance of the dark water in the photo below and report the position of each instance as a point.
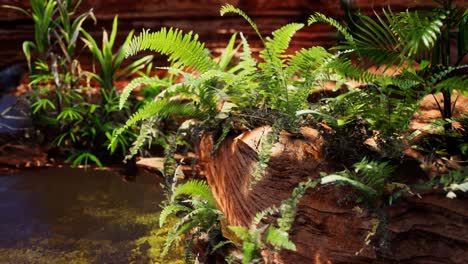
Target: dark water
(72, 216)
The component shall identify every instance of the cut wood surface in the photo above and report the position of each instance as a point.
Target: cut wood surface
(328, 227)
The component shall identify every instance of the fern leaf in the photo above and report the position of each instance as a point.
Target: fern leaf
(170, 209)
(307, 60)
(279, 239)
(144, 135)
(247, 65)
(184, 50)
(459, 83)
(321, 18)
(159, 108)
(196, 188)
(275, 46)
(228, 8)
(145, 80)
(175, 232)
(338, 178)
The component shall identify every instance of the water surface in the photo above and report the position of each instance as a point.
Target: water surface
(73, 216)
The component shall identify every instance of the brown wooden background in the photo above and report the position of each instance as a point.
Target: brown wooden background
(201, 16)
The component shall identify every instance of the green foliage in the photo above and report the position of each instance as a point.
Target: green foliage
(225, 9)
(369, 177)
(110, 62)
(84, 158)
(400, 39)
(455, 180)
(201, 214)
(266, 145)
(61, 101)
(182, 49)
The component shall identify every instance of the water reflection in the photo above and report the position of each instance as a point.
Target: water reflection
(68, 215)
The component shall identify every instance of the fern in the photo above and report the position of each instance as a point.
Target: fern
(232, 9)
(279, 239)
(201, 216)
(266, 143)
(275, 47)
(184, 50)
(145, 80)
(321, 18)
(368, 177)
(247, 65)
(145, 134)
(161, 108)
(306, 61)
(195, 188)
(171, 209)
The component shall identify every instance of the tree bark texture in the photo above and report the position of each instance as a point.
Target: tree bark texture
(329, 228)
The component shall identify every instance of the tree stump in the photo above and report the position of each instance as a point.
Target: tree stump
(329, 228)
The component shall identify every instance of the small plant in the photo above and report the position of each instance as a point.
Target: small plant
(200, 214)
(62, 97)
(423, 37)
(110, 62)
(455, 180)
(369, 177)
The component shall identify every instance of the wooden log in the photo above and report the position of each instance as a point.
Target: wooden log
(329, 228)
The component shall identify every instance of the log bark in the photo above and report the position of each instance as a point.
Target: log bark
(329, 228)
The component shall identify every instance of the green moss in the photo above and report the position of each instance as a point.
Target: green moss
(97, 232)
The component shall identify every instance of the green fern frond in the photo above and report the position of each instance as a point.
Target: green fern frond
(228, 8)
(346, 68)
(266, 143)
(145, 80)
(321, 18)
(162, 108)
(332, 178)
(173, 234)
(196, 188)
(307, 60)
(144, 135)
(441, 75)
(171, 209)
(279, 239)
(275, 46)
(184, 50)
(247, 65)
(459, 83)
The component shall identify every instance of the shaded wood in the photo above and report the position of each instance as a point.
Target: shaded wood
(201, 16)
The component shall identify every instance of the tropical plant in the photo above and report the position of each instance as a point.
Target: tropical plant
(61, 99)
(369, 177)
(423, 37)
(195, 201)
(110, 62)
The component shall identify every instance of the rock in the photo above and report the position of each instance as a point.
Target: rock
(22, 156)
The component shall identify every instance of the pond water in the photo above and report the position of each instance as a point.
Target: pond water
(73, 216)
